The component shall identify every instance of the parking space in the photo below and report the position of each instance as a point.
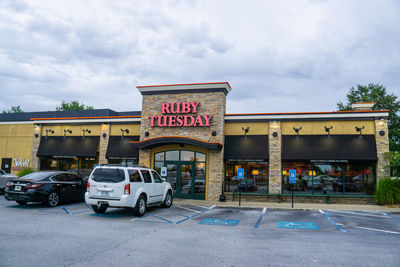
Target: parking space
(363, 221)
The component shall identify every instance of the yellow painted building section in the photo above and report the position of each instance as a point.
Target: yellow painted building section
(317, 127)
(16, 142)
(134, 129)
(255, 128)
(76, 130)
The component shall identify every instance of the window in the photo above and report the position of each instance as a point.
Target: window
(60, 178)
(255, 177)
(156, 177)
(146, 176)
(134, 176)
(74, 178)
(105, 175)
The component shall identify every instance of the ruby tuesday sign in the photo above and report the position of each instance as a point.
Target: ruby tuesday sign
(180, 114)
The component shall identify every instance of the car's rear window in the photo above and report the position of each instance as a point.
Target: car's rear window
(108, 175)
(37, 176)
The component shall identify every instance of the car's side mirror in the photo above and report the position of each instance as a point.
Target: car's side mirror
(163, 179)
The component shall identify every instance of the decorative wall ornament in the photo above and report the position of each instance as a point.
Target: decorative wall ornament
(21, 162)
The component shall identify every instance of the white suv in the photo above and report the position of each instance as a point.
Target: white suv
(126, 187)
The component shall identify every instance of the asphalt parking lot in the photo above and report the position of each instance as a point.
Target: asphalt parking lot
(184, 233)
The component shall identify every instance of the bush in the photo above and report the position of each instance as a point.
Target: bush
(25, 172)
(388, 191)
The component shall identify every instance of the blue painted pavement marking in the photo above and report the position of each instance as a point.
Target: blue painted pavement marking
(190, 217)
(388, 214)
(298, 225)
(259, 219)
(223, 222)
(65, 210)
(331, 221)
(168, 221)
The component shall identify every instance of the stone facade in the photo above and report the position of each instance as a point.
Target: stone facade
(105, 130)
(275, 161)
(211, 103)
(382, 146)
(37, 131)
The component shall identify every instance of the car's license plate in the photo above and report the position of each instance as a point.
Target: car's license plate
(99, 203)
(104, 193)
(17, 188)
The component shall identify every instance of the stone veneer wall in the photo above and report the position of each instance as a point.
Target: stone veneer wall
(105, 129)
(275, 161)
(382, 146)
(35, 146)
(210, 103)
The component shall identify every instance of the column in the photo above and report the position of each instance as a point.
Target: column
(275, 160)
(104, 138)
(144, 157)
(37, 135)
(382, 146)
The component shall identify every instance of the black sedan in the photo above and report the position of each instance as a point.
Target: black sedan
(48, 187)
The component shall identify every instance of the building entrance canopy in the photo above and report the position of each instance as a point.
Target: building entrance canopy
(165, 140)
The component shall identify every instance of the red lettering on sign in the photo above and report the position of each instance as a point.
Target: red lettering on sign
(175, 107)
(165, 108)
(207, 119)
(185, 107)
(164, 121)
(185, 120)
(179, 120)
(198, 121)
(194, 106)
(171, 121)
(152, 120)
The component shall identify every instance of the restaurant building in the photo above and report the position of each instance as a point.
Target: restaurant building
(337, 156)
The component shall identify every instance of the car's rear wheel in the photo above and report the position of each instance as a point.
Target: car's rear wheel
(99, 210)
(53, 199)
(21, 202)
(168, 200)
(140, 207)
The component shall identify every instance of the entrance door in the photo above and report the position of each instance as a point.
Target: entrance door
(6, 165)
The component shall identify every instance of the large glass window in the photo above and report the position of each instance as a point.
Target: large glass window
(332, 178)
(80, 166)
(255, 177)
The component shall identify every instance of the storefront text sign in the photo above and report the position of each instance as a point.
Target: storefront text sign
(21, 162)
(186, 117)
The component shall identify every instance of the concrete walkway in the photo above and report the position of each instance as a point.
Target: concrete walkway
(297, 206)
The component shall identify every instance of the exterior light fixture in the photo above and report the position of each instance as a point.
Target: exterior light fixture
(124, 131)
(214, 133)
(381, 133)
(85, 131)
(47, 132)
(104, 135)
(246, 130)
(328, 130)
(274, 134)
(67, 131)
(36, 135)
(147, 134)
(297, 130)
(359, 129)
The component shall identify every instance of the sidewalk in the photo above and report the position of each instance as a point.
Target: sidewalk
(297, 206)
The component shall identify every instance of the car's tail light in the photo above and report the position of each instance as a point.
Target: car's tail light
(8, 184)
(88, 187)
(127, 189)
(33, 186)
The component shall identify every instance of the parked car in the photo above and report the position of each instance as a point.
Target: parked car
(5, 178)
(127, 187)
(48, 187)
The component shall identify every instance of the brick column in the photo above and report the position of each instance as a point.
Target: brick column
(215, 174)
(275, 159)
(105, 130)
(382, 146)
(37, 131)
(144, 157)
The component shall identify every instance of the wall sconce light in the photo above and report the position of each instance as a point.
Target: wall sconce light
(358, 129)
(85, 131)
(47, 132)
(67, 131)
(214, 133)
(381, 133)
(104, 135)
(147, 134)
(246, 130)
(275, 134)
(124, 131)
(36, 135)
(328, 130)
(297, 130)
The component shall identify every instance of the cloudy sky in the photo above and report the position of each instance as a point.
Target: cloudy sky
(278, 56)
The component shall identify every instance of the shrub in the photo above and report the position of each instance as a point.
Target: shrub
(25, 172)
(388, 191)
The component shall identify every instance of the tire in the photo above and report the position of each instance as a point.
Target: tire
(140, 207)
(99, 210)
(168, 200)
(53, 199)
(22, 202)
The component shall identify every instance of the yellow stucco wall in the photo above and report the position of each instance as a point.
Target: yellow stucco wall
(255, 128)
(16, 142)
(134, 129)
(317, 127)
(76, 130)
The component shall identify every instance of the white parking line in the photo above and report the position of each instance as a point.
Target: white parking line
(357, 213)
(377, 230)
(184, 208)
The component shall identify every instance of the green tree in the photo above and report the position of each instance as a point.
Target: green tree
(377, 93)
(14, 109)
(73, 105)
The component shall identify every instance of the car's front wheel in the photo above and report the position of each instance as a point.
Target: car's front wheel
(140, 207)
(53, 199)
(99, 210)
(168, 200)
